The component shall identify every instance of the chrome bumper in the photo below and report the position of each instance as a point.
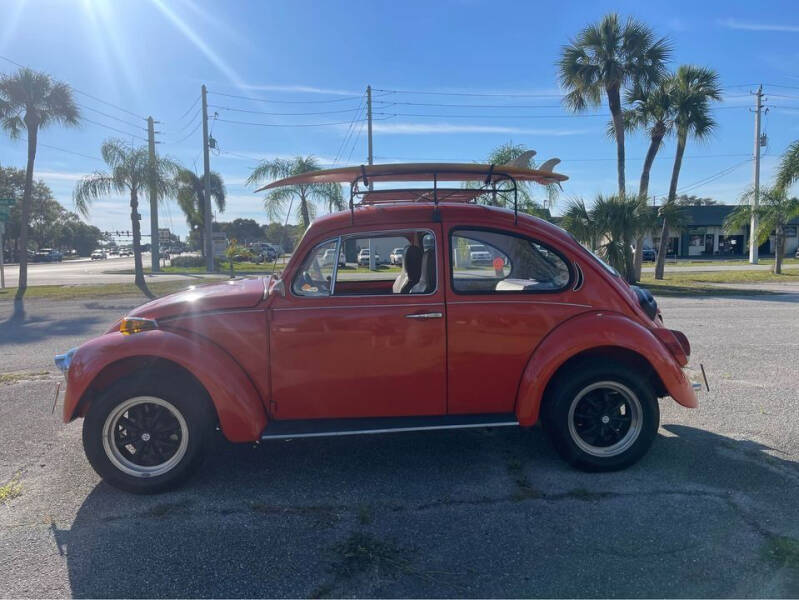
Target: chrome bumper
(62, 361)
(698, 378)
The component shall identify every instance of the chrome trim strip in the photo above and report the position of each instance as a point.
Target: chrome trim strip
(389, 430)
(518, 302)
(360, 306)
(431, 315)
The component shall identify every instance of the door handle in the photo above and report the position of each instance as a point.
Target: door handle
(430, 315)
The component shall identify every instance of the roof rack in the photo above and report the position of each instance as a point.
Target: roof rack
(489, 177)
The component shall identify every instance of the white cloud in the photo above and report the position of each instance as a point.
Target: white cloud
(60, 175)
(731, 23)
(438, 128)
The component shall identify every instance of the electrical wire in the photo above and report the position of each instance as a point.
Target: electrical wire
(472, 94)
(511, 117)
(126, 133)
(188, 110)
(261, 112)
(256, 99)
(183, 139)
(99, 112)
(293, 124)
(348, 134)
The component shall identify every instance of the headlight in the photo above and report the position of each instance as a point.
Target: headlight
(131, 325)
(62, 361)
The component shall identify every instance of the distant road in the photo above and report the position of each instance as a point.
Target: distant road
(83, 270)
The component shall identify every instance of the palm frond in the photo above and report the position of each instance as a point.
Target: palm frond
(91, 187)
(788, 172)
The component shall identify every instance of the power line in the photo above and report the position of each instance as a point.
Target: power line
(473, 94)
(357, 139)
(111, 116)
(43, 145)
(283, 114)
(74, 89)
(293, 124)
(256, 99)
(188, 110)
(126, 133)
(510, 117)
(183, 139)
(347, 135)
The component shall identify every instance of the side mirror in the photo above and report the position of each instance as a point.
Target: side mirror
(278, 288)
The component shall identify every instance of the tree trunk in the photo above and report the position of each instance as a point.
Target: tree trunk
(33, 132)
(614, 102)
(675, 177)
(135, 226)
(306, 217)
(779, 251)
(643, 190)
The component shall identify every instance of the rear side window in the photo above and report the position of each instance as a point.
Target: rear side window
(492, 262)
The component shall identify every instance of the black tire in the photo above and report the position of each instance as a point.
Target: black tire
(110, 459)
(600, 437)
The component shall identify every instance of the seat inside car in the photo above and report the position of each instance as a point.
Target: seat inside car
(411, 271)
(427, 279)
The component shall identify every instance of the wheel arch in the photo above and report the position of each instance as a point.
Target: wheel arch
(238, 405)
(598, 336)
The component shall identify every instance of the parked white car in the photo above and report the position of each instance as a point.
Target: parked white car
(479, 255)
(396, 256)
(363, 257)
(99, 255)
(327, 257)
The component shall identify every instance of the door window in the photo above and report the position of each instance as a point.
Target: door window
(488, 262)
(316, 274)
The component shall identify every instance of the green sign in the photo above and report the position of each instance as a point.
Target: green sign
(7, 201)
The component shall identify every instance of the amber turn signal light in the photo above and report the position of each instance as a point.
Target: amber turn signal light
(131, 325)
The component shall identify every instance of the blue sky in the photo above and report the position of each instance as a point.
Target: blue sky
(149, 57)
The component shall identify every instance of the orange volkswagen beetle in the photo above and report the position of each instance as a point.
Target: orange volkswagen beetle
(494, 319)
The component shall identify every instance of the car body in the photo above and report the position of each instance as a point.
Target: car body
(556, 337)
(98, 255)
(395, 258)
(47, 255)
(363, 257)
(125, 252)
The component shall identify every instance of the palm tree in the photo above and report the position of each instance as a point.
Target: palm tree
(191, 199)
(609, 228)
(788, 172)
(606, 58)
(308, 194)
(775, 210)
(579, 221)
(652, 110)
(131, 172)
(691, 89)
(30, 101)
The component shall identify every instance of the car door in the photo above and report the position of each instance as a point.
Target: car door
(353, 347)
(498, 310)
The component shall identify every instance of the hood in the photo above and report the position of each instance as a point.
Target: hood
(236, 293)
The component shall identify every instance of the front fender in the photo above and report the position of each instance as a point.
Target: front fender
(596, 330)
(241, 412)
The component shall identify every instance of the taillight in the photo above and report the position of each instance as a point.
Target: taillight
(676, 342)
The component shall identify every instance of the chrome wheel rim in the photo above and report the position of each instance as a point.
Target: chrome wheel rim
(145, 436)
(605, 419)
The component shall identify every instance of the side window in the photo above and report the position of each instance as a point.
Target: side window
(385, 264)
(487, 262)
(316, 274)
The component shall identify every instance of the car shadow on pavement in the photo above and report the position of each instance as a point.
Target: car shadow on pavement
(22, 326)
(468, 513)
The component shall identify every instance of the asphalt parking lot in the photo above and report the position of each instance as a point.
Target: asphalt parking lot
(711, 511)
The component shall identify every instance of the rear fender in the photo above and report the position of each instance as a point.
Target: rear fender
(589, 331)
(238, 405)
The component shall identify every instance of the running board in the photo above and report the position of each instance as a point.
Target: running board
(282, 430)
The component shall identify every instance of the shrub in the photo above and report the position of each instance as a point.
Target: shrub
(188, 261)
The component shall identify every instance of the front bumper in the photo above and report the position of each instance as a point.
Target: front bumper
(63, 361)
(697, 378)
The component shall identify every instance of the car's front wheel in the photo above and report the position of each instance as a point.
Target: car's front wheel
(602, 418)
(145, 436)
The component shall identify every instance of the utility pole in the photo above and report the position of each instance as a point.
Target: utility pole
(155, 265)
(370, 159)
(2, 247)
(756, 196)
(209, 243)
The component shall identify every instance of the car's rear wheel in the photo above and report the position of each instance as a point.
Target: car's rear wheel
(144, 436)
(602, 418)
